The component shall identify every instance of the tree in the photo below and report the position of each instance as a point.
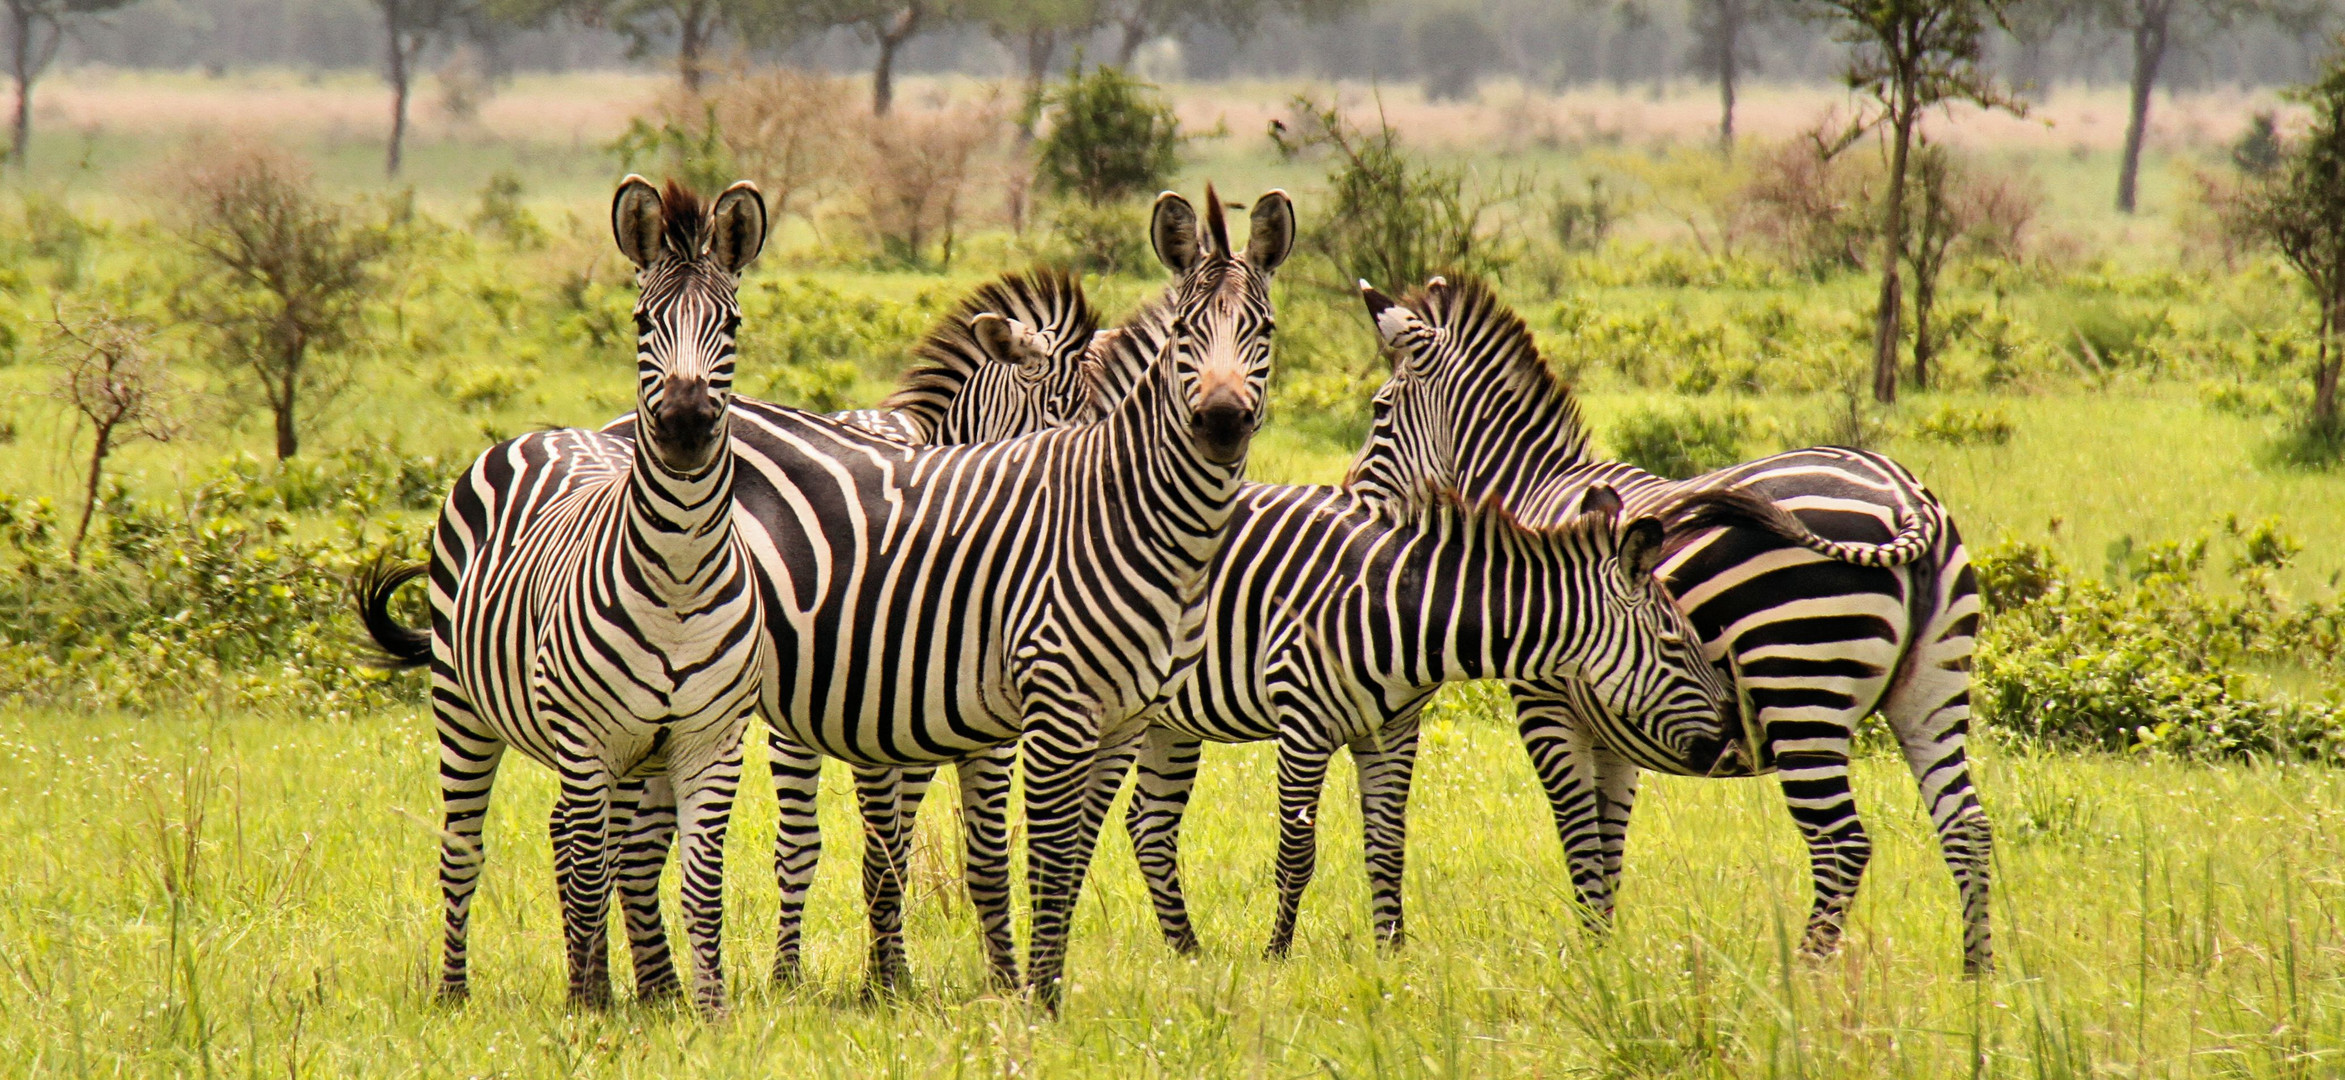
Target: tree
(108, 376)
(1111, 137)
(409, 27)
(2299, 209)
(1961, 208)
(888, 24)
(283, 281)
(1138, 22)
(1910, 56)
(35, 29)
(2151, 27)
(1722, 31)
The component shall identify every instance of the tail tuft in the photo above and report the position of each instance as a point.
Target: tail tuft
(403, 646)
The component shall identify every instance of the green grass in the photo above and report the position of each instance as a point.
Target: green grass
(254, 896)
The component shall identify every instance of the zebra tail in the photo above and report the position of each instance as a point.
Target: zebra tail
(402, 646)
(1690, 511)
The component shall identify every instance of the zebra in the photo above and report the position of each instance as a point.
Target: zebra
(1006, 361)
(594, 604)
(1815, 635)
(925, 603)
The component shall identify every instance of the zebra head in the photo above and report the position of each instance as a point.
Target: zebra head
(688, 257)
(1008, 360)
(1470, 405)
(1220, 313)
(1642, 667)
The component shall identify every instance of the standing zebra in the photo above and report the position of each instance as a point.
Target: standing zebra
(594, 605)
(1816, 635)
(1006, 361)
(924, 603)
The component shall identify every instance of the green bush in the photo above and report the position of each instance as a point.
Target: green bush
(2155, 659)
(1111, 137)
(1681, 443)
(1391, 219)
(1105, 239)
(1957, 426)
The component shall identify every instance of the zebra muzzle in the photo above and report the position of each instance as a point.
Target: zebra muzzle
(1223, 425)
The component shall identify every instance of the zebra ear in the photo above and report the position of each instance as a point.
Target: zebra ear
(1007, 341)
(1172, 230)
(635, 220)
(1601, 499)
(737, 227)
(1272, 237)
(1640, 547)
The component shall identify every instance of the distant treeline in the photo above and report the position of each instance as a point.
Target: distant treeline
(1445, 44)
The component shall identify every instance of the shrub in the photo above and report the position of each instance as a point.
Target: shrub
(1681, 443)
(1111, 137)
(1812, 205)
(1392, 220)
(1107, 239)
(501, 214)
(1956, 426)
(915, 175)
(2156, 660)
(1582, 223)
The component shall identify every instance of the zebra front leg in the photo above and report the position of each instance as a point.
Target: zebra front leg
(644, 811)
(1059, 754)
(1815, 786)
(581, 828)
(704, 804)
(1386, 760)
(1617, 778)
(469, 754)
(1563, 753)
(1302, 771)
(1160, 798)
(985, 856)
(797, 780)
(889, 800)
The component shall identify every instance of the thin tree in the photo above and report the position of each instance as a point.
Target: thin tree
(110, 378)
(409, 27)
(2299, 209)
(1909, 56)
(284, 277)
(1722, 30)
(35, 29)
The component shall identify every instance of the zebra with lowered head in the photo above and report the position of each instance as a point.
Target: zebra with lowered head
(594, 605)
(1878, 616)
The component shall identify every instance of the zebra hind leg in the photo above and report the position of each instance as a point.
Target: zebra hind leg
(889, 799)
(644, 816)
(797, 779)
(1386, 761)
(704, 800)
(1930, 712)
(1160, 798)
(469, 754)
(1302, 771)
(581, 828)
(1617, 777)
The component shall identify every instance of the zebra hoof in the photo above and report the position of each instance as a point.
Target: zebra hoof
(1977, 967)
(658, 993)
(593, 999)
(452, 995)
(1277, 951)
(788, 973)
(1005, 977)
(1184, 943)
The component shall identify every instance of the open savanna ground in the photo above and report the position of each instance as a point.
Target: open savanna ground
(235, 895)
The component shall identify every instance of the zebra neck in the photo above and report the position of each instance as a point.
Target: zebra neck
(1190, 496)
(679, 528)
(1511, 454)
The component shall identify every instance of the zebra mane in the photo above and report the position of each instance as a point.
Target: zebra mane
(1421, 502)
(684, 221)
(1482, 336)
(945, 361)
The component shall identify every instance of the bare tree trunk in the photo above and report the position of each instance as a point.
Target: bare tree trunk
(692, 34)
(2324, 372)
(1885, 317)
(1135, 34)
(883, 74)
(1729, 41)
(20, 20)
(394, 31)
(289, 386)
(89, 502)
(2149, 50)
(1925, 296)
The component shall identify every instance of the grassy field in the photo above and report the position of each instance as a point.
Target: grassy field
(235, 895)
(253, 894)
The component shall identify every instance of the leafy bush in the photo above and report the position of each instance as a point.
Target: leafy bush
(1956, 426)
(1107, 239)
(1680, 443)
(2153, 659)
(1392, 220)
(1111, 137)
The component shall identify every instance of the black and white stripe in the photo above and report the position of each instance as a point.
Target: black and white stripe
(594, 605)
(1879, 616)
